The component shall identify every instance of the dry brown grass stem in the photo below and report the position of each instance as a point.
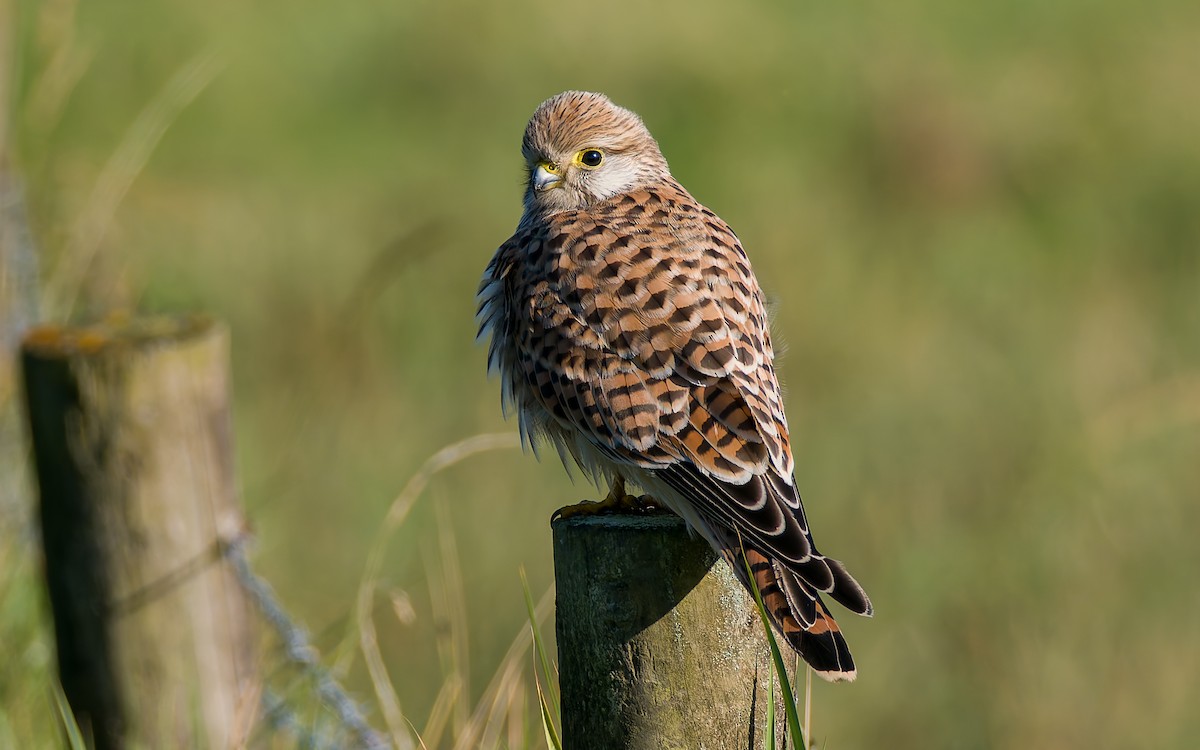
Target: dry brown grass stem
(448, 697)
(67, 59)
(118, 175)
(398, 511)
(497, 699)
(454, 647)
(516, 716)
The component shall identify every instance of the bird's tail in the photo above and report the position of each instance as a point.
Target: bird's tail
(796, 611)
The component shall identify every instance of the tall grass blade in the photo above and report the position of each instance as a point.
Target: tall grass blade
(118, 176)
(789, 699)
(807, 698)
(363, 622)
(454, 601)
(552, 739)
(770, 733)
(507, 674)
(449, 695)
(548, 671)
(66, 718)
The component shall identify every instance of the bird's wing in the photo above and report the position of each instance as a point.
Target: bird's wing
(641, 326)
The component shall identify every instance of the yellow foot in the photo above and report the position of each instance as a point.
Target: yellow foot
(617, 501)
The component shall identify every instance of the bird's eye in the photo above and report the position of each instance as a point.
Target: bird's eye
(591, 157)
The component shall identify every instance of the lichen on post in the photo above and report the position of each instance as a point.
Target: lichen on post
(659, 646)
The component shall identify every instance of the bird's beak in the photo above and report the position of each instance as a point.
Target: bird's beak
(546, 176)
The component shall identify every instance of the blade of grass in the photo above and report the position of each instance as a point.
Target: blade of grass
(67, 59)
(539, 646)
(118, 176)
(789, 701)
(517, 732)
(66, 719)
(547, 699)
(368, 639)
(455, 603)
(505, 700)
(449, 695)
(807, 698)
(770, 733)
(490, 710)
(508, 671)
(552, 739)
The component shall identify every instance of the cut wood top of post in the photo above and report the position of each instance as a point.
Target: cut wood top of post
(115, 331)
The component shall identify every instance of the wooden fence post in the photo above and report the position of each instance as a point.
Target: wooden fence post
(659, 646)
(130, 423)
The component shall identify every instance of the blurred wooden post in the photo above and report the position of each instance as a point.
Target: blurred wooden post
(659, 646)
(130, 424)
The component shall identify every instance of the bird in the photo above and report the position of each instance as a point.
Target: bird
(629, 332)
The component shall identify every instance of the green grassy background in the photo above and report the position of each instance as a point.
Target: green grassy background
(979, 224)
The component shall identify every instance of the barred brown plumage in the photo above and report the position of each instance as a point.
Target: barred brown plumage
(629, 332)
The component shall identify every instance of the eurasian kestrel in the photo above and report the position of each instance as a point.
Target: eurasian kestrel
(630, 333)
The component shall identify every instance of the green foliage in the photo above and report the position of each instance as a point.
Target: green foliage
(778, 669)
(27, 682)
(66, 721)
(769, 735)
(548, 695)
(979, 223)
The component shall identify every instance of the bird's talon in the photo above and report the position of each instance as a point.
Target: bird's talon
(617, 501)
(647, 504)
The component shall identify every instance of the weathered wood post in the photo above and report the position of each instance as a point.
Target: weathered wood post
(659, 646)
(130, 423)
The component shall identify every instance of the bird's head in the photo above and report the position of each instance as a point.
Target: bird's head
(580, 148)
